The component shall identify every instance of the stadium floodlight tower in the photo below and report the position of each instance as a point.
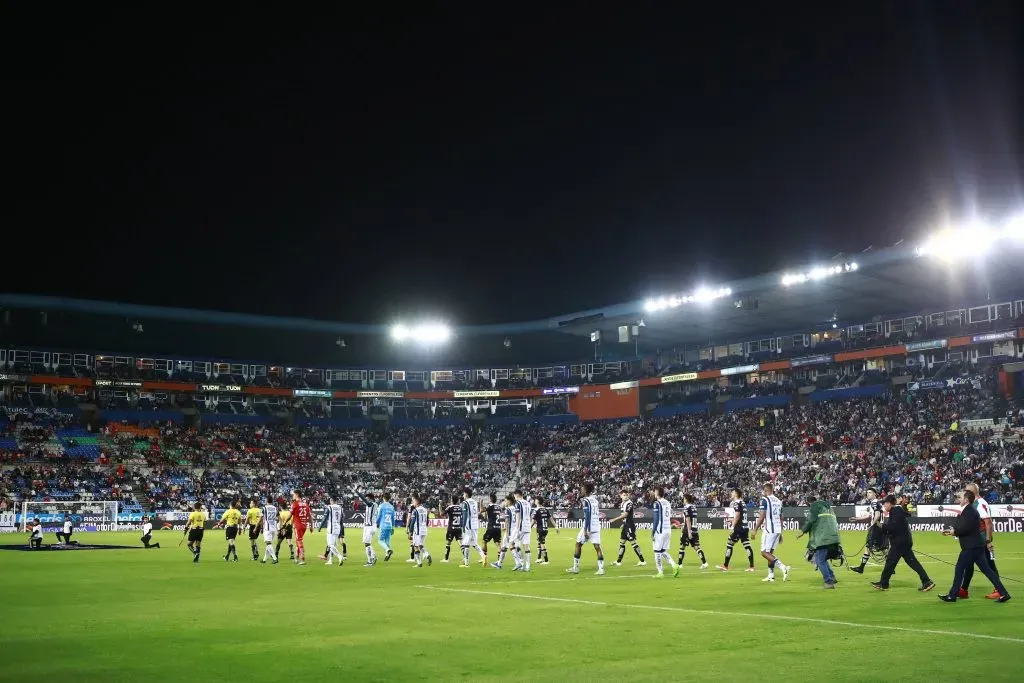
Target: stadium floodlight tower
(424, 334)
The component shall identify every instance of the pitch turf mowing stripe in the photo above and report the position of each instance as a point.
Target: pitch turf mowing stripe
(741, 615)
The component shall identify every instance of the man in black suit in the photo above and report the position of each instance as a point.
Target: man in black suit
(901, 547)
(967, 529)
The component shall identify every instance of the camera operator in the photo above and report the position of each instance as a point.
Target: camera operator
(967, 529)
(901, 547)
(823, 543)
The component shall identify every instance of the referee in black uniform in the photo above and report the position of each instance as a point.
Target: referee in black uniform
(901, 547)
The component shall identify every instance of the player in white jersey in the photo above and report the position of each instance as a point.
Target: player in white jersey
(661, 532)
(590, 532)
(769, 518)
(369, 525)
(470, 526)
(270, 517)
(418, 522)
(334, 521)
(524, 513)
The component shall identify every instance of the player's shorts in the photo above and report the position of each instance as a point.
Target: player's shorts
(230, 532)
(593, 537)
(332, 540)
(195, 535)
(492, 536)
(542, 537)
(146, 539)
(661, 540)
(469, 537)
(524, 539)
(384, 537)
(693, 540)
(254, 531)
(419, 539)
(269, 533)
(769, 542)
(876, 538)
(741, 536)
(285, 532)
(627, 533)
(300, 531)
(368, 532)
(453, 534)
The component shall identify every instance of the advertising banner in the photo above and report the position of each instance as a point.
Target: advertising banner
(560, 390)
(120, 384)
(379, 394)
(228, 388)
(994, 336)
(811, 360)
(315, 393)
(476, 394)
(739, 370)
(927, 345)
(681, 377)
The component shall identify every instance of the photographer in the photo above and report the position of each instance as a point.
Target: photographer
(823, 543)
(967, 529)
(901, 547)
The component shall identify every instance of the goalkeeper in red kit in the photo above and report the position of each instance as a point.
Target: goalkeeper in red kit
(302, 517)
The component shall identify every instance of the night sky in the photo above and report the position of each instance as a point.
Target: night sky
(492, 168)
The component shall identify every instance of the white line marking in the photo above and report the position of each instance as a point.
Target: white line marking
(742, 615)
(567, 578)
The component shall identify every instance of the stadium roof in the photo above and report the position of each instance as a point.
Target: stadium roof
(889, 282)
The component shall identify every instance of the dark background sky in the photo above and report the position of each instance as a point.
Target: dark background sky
(491, 167)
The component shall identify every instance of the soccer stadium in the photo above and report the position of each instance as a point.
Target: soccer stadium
(142, 447)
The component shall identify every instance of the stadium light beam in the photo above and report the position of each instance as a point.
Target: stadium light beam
(427, 334)
(817, 273)
(701, 295)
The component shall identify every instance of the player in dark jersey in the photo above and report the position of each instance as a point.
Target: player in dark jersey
(690, 536)
(628, 531)
(494, 513)
(542, 520)
(454, 514)
(876, 537)
(740, 532)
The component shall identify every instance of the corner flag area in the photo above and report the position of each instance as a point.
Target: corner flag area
(154, 615)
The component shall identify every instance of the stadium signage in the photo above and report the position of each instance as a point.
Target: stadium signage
(623, 385)
(122, 383)
(379, 394)
(927, 345)
(8, 522)
(476, 394)
(811, 360)
(560, 390)
(994, 336)
(13, 378)
(681, 377)
(318, 393)
(219, 387)
(740, 370)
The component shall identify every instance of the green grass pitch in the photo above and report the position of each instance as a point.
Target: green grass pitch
(135, 615)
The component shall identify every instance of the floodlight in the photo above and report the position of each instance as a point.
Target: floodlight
(426, 333)
(1014, 228)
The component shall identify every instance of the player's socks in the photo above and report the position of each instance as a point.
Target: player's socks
(576, 563)
(728, 555)
(419, 559)
(750, 555)
(546, 555)
(600, 564)
(517, 556)
(703, 558)
(447, 551)
(864, 559)
(682, 555)
(668, 558)
(622, 552)
(636, 549)
(465, 555)
(657, 563)
(501, 557)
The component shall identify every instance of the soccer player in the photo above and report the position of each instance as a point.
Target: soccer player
(590, 531)
(524, 513)
(252, 521)
(147, 533)
(64, 536)
(470, 524)
(334, 521)
(769, 518)
(690, 536)
(454, 514)
(508, 524)
(418, 528)
(302, 518)
(285, 529)
(495, 513)
(385, 524)
(35, 538)
(269, 518)
(628, 531)
(876, 537)
(231, 518)
(369, 525)
(740, 532)
(196, 523)
(661, 532)
(981, 505)
(542, 520)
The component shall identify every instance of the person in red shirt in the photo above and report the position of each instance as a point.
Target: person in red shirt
(302, 517)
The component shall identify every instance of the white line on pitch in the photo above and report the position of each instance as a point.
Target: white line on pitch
(525, 580)
(742, 615)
